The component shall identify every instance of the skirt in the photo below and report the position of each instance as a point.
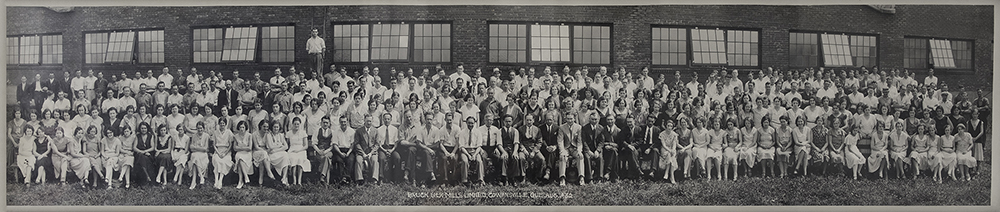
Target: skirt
(893, 155)
(668, 160)
(966, 159)
(921, 159)
(730, 155)
(57, 163)
(199, 162)
(43, 164)
(977, 151)
(765, 154)
(804, 151)
(179, 157)
(164, 160)
(112, 162)
(144, 163)
(126, 160)
(222, 164)
(835, 157)
(80, 166)
(26, 163)
(748, 155)
(946, 160)
(819, 156)
(875, 160)
(712, 153)
(300, 159)
(851, 159)
(782, 156)
(244, 160)
(279, 160)
(97, 163)
(700, 153)
(260, 158)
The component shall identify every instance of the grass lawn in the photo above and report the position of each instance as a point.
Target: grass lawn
(811, 190)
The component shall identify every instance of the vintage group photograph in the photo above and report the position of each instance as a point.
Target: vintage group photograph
(499, 105)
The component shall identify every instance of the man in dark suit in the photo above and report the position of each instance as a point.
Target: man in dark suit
(628, 140)
(228, 98)
(550, 136)
(268, 98)
(24, 90)
(593, 136)
(648, 152)
(50, 82)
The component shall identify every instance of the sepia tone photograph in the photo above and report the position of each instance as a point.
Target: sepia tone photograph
(499, 105)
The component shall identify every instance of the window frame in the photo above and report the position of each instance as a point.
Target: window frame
(930, 58)
(689, 43)
(821, 61)
(41, 46)
(257, 60)
(410, 39)
(572, 60)
(135, 46)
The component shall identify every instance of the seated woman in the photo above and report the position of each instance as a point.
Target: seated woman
(260, 155)
(297, 144)
(747, 148)
(78, 162)
(766, 138)
(945, 158)
(179, 154)
(731, 151)
(277, 149)
(222, 158)
(878, 160)
(161, 153)
(963, 150)
(110, 147)
(783, 139)
(921, 144)
(126, 155)
(836, 148)
(668, 151)
(93, 147)
(143, 151)
(898, 143)
(803, 146)
(198, 148)
(243, 145)
(26, 153)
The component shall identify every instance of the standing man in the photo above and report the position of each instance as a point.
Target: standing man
(316, 46)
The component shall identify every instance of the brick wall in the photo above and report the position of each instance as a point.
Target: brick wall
(631, 30)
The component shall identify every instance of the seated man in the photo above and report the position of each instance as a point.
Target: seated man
(492, 150)
(344, 141)
(531, 143)
(570, 148)
(592, 136)
(512, 152)
(365, 151)
(549, 134)
(647, 147)
(628, 141)
(446, 149)
(471, 153)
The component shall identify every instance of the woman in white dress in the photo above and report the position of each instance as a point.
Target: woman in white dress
(298, 161)
(945, 157)
(222, 159)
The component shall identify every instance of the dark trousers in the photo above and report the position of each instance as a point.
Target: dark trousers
(446, 164)
(629, 158)
(316, 60)
(342, 164)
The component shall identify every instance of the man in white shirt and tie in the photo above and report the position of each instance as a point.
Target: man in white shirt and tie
(316, 47)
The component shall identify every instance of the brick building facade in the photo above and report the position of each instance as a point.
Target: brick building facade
(631, 29)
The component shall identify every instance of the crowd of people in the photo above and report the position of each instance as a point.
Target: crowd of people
(438, 127)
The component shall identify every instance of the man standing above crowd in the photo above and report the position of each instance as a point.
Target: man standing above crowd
(316, 47)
